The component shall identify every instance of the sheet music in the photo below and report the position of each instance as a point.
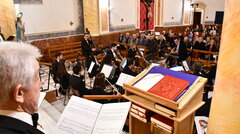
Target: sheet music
(201, 125)
(185, 65)
(155, 64)
(124, 78)
(91, 67)
(78, 117)
(148, 81)
(112, 118)
(106, 70)
(41, 97)
(177, 68)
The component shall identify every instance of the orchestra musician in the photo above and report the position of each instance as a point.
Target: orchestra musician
(129, 68)
(87, 48)
(96, 60)
(77, 82)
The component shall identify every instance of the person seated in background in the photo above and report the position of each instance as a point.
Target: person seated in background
(120, 37)
(19, 88)
(152, 46)
(134, 39)
(211, 47)
(77, 83)
(179, 52)
(1, 36)
(200, 45)
(142, 40)
(127, 39)
(54, 67)
(62, 76)
(163, 46)
(100, 86)
(128, 69)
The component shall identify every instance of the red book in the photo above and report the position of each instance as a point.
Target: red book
(169, 87)
(162, 121)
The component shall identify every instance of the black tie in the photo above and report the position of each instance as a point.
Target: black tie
(35, 119)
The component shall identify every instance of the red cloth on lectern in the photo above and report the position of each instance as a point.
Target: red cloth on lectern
(143, 15)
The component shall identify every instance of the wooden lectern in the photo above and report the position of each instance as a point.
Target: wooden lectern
(184, 110)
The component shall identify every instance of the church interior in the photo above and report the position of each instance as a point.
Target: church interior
(101, 50)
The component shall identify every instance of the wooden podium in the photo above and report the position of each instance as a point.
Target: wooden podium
(184, 110)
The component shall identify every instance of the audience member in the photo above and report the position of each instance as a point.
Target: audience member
(142, 40)
(127, 39)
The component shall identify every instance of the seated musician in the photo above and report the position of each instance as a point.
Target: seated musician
(132, 49)
(128, 69)
(76, 81)
(112, 52)
(96, 67)
(100, 86)
(58, 56)
(63, 76)
(179, 52)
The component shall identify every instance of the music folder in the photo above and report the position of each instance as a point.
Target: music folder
(108, 71)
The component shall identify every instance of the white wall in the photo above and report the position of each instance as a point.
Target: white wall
(123, 9)
(211, 7)
(172, 8)
(51, 16)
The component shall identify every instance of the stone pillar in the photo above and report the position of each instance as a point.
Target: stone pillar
(91, 16)
(225, 108)
(7, 17)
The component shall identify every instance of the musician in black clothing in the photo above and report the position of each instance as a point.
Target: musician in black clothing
(58, 56)
(87, 48)
(77, 82)
(128, 69)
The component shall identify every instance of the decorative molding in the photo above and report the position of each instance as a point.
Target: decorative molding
(79, 29)
(208, 22)
(173, 23)
(28, 1)
(118, 28)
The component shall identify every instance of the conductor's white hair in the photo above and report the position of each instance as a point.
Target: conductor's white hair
(16, 67)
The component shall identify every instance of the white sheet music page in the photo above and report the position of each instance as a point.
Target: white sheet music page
(124, 78)
(78, 117)
(106, 70)
(148, 81)
(91, 67)
(112, 118)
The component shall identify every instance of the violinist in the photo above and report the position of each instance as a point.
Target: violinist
(130, 67)
(113, 54)
(96, 67)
